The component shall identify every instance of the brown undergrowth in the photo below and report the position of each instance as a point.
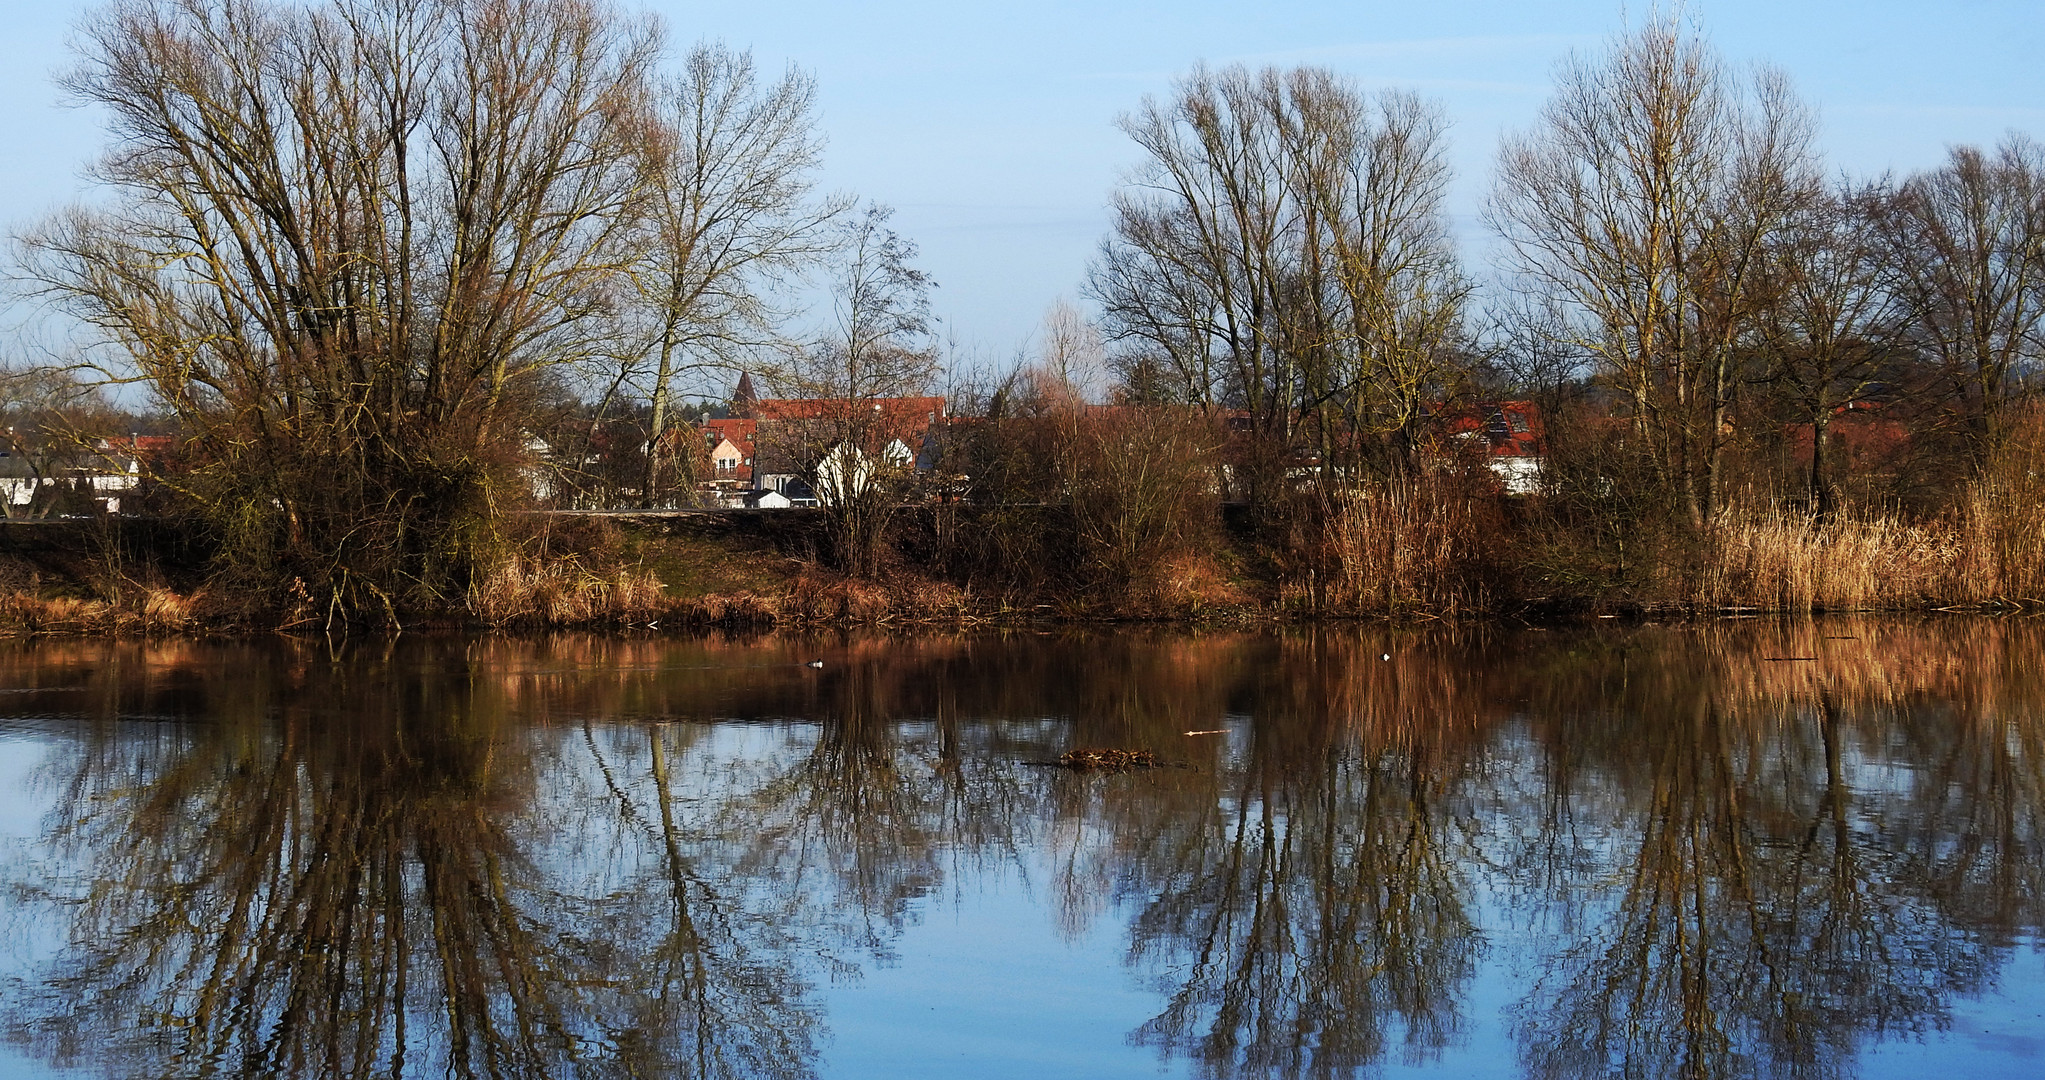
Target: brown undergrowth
(1420, 549)
(136, 610)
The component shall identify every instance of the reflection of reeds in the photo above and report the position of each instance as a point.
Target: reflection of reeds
(1770, 838)
(1810, 833)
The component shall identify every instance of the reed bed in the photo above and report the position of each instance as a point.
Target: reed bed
(1767, 557)
(525, 590)
(136, 610)
(1403, 546)
(2003, 532)
(1989, 552)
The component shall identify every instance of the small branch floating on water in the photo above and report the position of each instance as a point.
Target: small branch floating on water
(1214, 731)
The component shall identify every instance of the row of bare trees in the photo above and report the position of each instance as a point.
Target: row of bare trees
(360, 251)
(1669, 231)
(1687, 292)
(354, 248)
(1673, 223)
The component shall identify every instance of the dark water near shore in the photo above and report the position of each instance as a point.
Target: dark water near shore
(1731, 850)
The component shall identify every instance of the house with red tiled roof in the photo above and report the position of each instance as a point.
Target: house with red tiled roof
(808, 446)
(1509, 436)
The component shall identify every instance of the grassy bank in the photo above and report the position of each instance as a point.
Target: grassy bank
(1400, 552)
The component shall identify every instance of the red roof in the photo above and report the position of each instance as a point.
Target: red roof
(1509, 428)
(920, 411)
(906, 419)
(742, 433)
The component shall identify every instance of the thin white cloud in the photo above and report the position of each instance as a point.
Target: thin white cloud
(1937, 112)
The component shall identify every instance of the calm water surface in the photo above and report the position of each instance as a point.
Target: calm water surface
(1733, 850)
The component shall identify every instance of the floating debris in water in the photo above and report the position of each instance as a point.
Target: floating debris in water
(1110, 760)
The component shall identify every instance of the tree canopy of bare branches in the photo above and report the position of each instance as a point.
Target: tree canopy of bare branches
(1284, 250)
(853, 441)
(1829, 323)
(342, 242)
(732, 218)
(1645, 199)
(1966, 259)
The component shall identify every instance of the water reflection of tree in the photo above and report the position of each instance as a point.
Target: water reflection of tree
(1771, 901)
(1750, 868)
(1315, 916)
(892, 788)
(345, 876)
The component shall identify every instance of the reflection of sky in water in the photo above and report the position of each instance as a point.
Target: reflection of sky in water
(29, 936)
(869, 847)
(983, 986)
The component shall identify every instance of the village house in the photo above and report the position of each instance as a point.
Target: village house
(1509, 436)
(72, 481)
(731, 446)
(804, 451)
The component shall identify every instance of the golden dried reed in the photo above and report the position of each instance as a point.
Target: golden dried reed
(1989, 551)
(1406, 546)
(1766, 557)
(140, 609)
(524, 590)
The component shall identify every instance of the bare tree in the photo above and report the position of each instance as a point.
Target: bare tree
(1072, 357)
(859, 418)
(732, 217)
(1284, 252)
(341, 240)
(1966, 256)
(1829, 323)
(1645, 198)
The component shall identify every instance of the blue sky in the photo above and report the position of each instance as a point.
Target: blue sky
(989, 126)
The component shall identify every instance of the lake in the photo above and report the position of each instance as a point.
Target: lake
(1739, 848)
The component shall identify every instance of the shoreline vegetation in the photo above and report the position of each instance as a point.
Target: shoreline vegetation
(1398, 560)
(393, 293)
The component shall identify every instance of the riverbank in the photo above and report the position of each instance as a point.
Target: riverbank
(771, 568)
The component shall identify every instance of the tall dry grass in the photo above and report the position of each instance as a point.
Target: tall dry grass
(142, 609)
(1989, 550)
(525, 590)
(1402, 546)
(2003, 522)
(1781, 560)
